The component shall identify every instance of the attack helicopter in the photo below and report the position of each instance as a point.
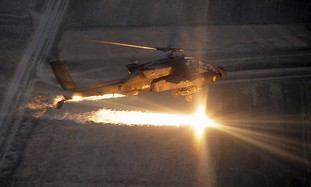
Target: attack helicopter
(183, 76)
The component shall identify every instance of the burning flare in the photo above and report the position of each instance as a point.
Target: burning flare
(198, 121)
(41, 104)
(201, 122)
(78, 98)
(126, 117)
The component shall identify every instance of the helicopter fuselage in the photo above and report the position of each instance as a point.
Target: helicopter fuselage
(184, 76)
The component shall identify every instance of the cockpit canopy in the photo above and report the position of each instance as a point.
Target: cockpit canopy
(197, 65)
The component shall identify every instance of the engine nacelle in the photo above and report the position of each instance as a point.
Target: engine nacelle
(157, 73)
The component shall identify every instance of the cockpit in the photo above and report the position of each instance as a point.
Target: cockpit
(199, 65)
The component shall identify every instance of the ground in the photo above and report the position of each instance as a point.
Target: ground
(263, 105)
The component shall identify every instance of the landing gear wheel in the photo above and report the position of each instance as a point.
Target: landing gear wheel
(189, 97)
(175, 93)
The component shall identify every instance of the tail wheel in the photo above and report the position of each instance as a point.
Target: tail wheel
(189, 97)
(60, 104)
(175, 93)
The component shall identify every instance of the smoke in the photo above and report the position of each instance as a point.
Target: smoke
(43, 109)
(93, 98)
(76, 117)
(39, 105)
(127, 117)
(121, 117)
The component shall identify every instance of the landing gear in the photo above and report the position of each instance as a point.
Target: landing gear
(189, 97)
(175, 93)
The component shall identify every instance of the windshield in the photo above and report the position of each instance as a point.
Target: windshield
(194, 65)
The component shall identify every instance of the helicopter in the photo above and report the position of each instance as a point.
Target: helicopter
(183, 76)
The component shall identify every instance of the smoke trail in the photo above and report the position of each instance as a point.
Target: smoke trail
(134, 118)
(199, 121)
(39, 105)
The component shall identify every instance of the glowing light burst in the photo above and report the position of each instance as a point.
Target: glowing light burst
(199, 121)
(77, 98)
(57, 99)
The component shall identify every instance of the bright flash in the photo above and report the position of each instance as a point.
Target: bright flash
(201, 122)
(77, 98)
(125, 117)
(58, 99)
(198, 121)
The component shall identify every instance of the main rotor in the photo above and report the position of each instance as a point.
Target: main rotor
(163, 49)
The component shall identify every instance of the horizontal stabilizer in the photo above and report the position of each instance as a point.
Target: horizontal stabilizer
(62, 75)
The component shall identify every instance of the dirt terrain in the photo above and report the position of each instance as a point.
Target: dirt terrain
(263, 104)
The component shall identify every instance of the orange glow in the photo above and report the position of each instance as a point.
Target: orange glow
(77, 98)
(57, 99)
(199, 121)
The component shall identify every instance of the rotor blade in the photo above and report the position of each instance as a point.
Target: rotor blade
(126, 45)
(236, 49)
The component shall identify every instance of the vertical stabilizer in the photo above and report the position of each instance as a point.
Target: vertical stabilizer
(62, 75)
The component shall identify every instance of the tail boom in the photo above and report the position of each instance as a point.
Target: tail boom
(61, 73)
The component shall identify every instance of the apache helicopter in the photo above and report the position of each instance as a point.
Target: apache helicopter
(182, 75)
